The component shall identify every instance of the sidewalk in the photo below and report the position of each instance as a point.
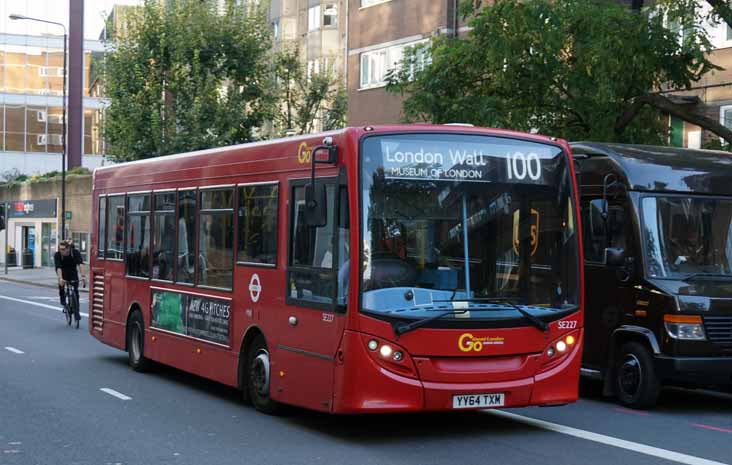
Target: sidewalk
(45, 277)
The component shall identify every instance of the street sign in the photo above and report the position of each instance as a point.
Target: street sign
(67, 216)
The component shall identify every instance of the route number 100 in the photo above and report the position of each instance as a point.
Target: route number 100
(520, 165)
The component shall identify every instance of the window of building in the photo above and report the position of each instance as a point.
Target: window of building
(314, 18)
(276, 28)
(365, 3)
(101, 226)
(330, 15)
(258, 212)
(725, 116)
(376, 64)
(311, 251)
(115, 226)
(186, 260)
(163, 247)
(81, 243)
(216, 238)
(137, 254)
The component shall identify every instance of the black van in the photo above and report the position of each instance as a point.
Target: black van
(658, 267)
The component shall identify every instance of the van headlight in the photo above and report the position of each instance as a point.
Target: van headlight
(684, 327)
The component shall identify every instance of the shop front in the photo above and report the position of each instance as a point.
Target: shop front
(31, 233)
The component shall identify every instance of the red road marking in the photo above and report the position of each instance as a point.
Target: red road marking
(713, 428)
(632, 412)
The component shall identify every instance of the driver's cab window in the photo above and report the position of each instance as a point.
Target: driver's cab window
(312, 259)
(604, 226)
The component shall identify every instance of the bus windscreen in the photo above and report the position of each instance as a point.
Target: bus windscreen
(454, 221)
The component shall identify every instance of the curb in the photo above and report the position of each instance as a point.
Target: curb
(31, 283)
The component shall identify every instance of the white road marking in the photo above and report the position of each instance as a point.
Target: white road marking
(116, 394)
(14, 350)
(607, 440)
(30, 302)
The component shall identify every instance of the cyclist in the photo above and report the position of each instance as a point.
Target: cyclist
(68, 264)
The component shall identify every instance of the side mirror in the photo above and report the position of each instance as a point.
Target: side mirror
(614, 257)
(315, 203)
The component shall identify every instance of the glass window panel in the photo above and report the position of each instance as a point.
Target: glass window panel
(163, 245)
(215, 250)
(101, 226)
(138, 245)
(138, 203)
(15, 128)
(186, 237)
(165, 201)
(217, 199)
(311, 246)
(258, 212)
(115, 226)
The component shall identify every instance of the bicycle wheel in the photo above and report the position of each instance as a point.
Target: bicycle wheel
(67, 314)
(75, 306)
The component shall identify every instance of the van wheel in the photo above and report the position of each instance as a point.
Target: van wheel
(136, 343)
(636, 383)
(258, 385)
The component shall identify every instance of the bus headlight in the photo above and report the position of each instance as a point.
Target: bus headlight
(684, 327)
(386, 351)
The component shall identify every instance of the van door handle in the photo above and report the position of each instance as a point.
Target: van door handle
(293, 321)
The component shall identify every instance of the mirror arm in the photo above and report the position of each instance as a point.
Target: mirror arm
(332, 158)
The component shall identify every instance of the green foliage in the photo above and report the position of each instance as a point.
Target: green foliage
(569, 68)
(185, 77)
(302, 99)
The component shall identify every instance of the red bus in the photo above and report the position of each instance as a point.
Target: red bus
(374, 269)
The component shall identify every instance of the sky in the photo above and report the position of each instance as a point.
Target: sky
(95, 12)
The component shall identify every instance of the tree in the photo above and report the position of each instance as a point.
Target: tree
(185, 77)
(304, 99)
(573, 68)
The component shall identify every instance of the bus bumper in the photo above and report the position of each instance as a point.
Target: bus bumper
(363, 386)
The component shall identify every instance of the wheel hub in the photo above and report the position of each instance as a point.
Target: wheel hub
(260, 373)
(630, 375)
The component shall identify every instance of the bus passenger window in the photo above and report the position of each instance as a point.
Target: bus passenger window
(137, 254)
(344, 249)
(115, 226)
(257, 212)
(185, 269)
(311, 251)
(163, 236)
(216, 238)
(101, 226)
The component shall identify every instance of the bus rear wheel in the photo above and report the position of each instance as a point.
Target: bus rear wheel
(136, 343)
(258, 370)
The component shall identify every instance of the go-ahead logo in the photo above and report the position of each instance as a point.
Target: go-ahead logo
(468, 342)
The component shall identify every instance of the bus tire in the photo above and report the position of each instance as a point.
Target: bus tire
(636, 383)
(258, 377)
(136, 343)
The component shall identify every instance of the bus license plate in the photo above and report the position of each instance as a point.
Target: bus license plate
(478, 400)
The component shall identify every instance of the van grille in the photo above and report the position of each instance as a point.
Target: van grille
(97, 302)
(719, 329)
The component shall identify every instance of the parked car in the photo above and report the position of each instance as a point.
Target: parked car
(658, 267)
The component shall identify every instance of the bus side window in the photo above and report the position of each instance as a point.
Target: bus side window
(311, 251)
(343, 246)
(186, 250)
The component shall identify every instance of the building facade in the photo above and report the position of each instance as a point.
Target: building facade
(31, 89)
(378, 33)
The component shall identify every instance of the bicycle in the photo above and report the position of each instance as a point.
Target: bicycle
(71, 309)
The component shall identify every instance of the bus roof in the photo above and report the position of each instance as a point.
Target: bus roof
(270, 156)
(655, 168)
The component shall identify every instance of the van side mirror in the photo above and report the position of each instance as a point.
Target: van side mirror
(614, 257)
(315, 205)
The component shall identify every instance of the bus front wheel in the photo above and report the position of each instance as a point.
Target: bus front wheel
(136, 343)
(259, 376)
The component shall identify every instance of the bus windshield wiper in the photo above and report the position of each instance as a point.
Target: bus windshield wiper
(540, 324)
(401, 327)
